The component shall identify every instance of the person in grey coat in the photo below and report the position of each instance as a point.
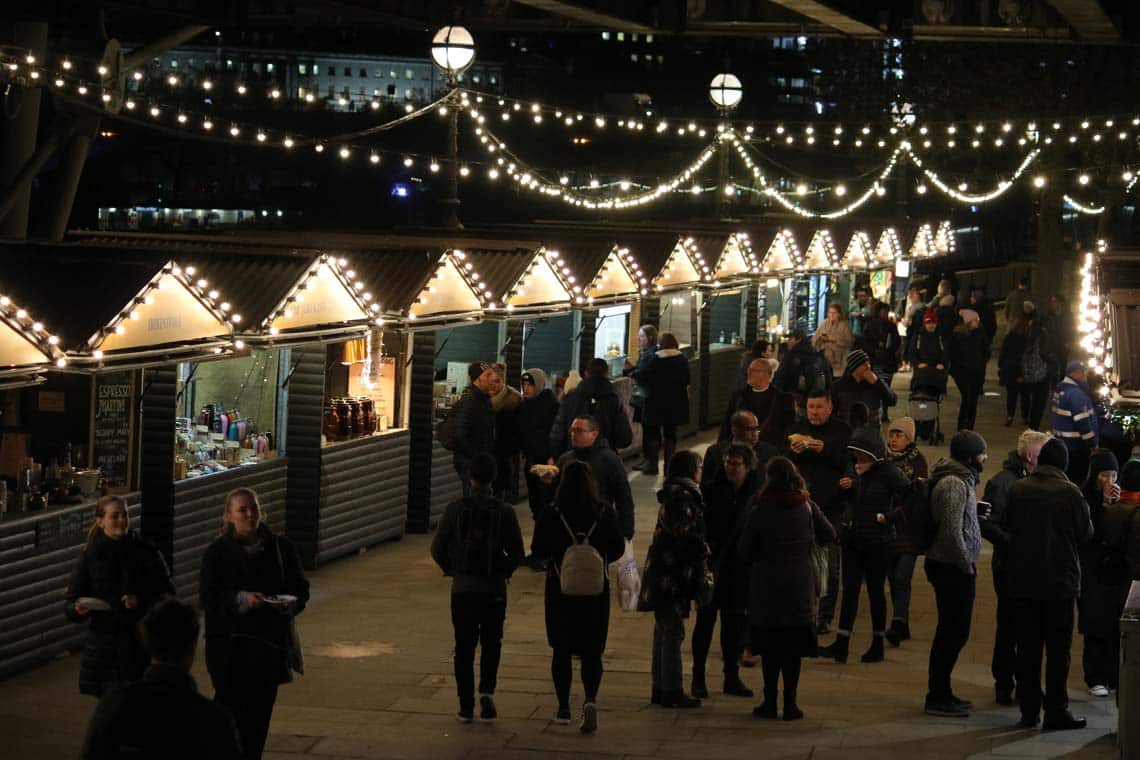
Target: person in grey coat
(951, 565)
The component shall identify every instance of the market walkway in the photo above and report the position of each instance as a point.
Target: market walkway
(378, 645)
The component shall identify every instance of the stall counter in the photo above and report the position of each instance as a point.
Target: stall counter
(38, 551)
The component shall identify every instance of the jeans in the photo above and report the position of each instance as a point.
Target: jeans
(1101, 660)
(868, 562)
(1043, 625)
(732, 628)
(902, 571)
(562, 671)
(954, 595)
(668, 633)
(477, 619)
(1004, 662)
(970, 386)
(828, 601)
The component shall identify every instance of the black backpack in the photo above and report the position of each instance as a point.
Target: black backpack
(1114, 567)
(477, 548)
(921, 525)
(445, 430)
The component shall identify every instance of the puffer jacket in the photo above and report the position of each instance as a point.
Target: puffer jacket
(997, 491)
(109, 570)
(880, 490)
(533, 422)
(954, 508)
(678, 553)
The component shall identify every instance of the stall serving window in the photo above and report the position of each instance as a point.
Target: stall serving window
(726, 315)
(230, 412)
(611, 336)
(676, 316)
(548, 344)
(455, 349)
(360, 388)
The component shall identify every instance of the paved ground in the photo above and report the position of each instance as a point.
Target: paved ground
(378, 644)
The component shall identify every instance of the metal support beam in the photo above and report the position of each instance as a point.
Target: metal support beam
(1089, 20)
(585, 15)
(18, 136)
(66, 182)
(140, 56)
(829, 16)
(18, 188)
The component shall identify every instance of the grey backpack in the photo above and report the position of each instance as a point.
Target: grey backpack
(583, 570)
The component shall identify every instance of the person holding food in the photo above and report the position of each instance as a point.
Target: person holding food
(251, 588)
(116, 579)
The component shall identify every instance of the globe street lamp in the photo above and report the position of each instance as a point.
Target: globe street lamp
(452, 52)
(725, 92)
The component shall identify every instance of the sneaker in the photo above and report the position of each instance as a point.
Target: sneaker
(465, 714)
(589, 722)
(1099, 691)
(944, 708)
(1063, 721)
(562, 717)
(962, 702)
(487, 709)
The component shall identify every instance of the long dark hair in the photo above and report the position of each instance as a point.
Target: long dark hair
(101, 511)
(782, 475)
(577, 491)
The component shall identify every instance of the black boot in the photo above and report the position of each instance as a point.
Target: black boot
(875, 653)
(651, 448)
(837, 650)
(678, 700)
(698, 687)
(734, 687)
(904, 631)
(656, 698)
(766, 710)
(894, 634)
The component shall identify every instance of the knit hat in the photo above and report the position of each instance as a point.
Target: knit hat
(856, 359)
(904, 425)
(535, 377)
(1074, 366)
(969, 315)
(1103, 461)
(475, 369)
(930, 315)
(966, 444)
(1130, 475)
(869, 441)
(1054, 453)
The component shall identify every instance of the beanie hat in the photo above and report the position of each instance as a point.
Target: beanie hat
(930, 315)
(475, 369)
(904, 425)
(1103, 461)
(969, 315)
(966, 444)
(535, 377)
(1054, 453)
(1130, 475)
(856, 359)
(869, 441)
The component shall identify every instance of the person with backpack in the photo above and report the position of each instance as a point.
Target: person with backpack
(479, 545)
(1047, 520)
(802, 369)
(469, 428)
(675, 576)
(904, 453)
(1074, 420)
(1106, 573)
(779, 536)
(874, 496)
(605, 465)
(1017, 465)
(817, 446)
(594, 397)
(665, 379)
(727, 500)
(955, 544)
(1035, 377)
(579, 537)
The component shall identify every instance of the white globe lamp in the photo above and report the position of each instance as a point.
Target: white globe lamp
(453, 51)
(725, 92)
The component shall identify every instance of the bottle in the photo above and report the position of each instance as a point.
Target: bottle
(721, 337)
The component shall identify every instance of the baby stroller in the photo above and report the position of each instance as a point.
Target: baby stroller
(927, 388)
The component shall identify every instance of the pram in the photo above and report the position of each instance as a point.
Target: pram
(927, 389)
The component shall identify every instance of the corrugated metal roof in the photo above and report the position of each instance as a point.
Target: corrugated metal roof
(500, 269)
(395, 277)
(582, 256)
(253, 285)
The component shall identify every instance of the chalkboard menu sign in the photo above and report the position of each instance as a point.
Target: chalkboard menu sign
(114, 412)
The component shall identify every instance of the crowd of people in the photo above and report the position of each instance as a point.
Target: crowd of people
(797, 507)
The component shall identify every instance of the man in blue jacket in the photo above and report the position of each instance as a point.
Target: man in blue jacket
(1074, 420)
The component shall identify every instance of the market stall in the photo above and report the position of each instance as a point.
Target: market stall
(731, 313)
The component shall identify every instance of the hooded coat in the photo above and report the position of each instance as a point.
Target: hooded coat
(534, 420)
(665, 379)
(677, 555)
(880, 490)
(594, 396)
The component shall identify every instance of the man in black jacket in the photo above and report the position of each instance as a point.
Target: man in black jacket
(609, 473)
(1047, 519)
(803, 369)
(533, 422)
(860, 384)
(474, 421)
(818, 446)
(163, 715)
(1017, 465)
(774, 409)
(595, 397)
(743, 429)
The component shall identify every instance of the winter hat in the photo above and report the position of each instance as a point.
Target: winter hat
(966, 444)
(904, 425)
(1074, 366)
(1103, 461)
(1130, 475)
(868, 440)
(930, 315)
(475, 369)
(535, 377)
(969, 315)
(856, 359)
(1054, 453)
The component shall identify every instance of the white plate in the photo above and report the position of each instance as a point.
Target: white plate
(280, 599)
(92, 603)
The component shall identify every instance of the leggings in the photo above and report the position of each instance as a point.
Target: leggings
(562, 671)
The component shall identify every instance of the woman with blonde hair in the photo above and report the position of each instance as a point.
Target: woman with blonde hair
(834, 338)
(251, 588)
(116, 579)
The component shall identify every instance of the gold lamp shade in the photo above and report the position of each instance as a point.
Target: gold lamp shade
(354, 351)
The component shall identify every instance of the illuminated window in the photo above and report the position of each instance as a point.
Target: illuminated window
(303, 70)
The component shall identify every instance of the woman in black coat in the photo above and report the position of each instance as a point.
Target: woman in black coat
(251, 588)
(783, 600)
(969, 352)
(129, 576)
(577, 625)
(1009, 370)
(666, 382)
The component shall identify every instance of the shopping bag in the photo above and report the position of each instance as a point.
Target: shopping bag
(629, 579)
(819, 568)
